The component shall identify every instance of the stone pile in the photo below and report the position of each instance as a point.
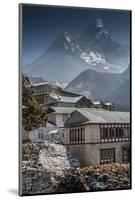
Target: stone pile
(96, 178)
(56, 159)
(30, 151)
(42, 164)
(50, 168)
(35, 179)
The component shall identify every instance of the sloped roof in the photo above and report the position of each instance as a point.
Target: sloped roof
(89, 115)
(108, 103)
(96, 102)
(47, 83)
(66, 99)
(69, 92)
(66, 110)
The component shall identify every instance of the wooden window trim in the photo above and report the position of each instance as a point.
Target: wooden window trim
(114, 133)
(77, 135)
(109, 158)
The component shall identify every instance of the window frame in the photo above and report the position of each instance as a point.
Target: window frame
(107, 158)
(77, 134)
(40, 136)
(114, 132)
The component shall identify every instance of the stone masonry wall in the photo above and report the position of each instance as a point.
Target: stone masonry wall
(36, 180)
(89, 154)
(42, 164)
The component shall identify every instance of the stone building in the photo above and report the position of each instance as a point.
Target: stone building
(51, 94)
(41, 90)
(108, 106)
(54, 126)
(103, 105)
(97, 136)
(65, 101)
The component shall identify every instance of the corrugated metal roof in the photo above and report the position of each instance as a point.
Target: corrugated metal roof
(65, 110)
(98, 116)
(102, 116)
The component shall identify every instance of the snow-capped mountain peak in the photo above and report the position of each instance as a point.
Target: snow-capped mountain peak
(68, 56)
(68, 37)
(99, 23)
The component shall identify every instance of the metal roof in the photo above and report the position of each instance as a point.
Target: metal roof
(96, 102)
(70, 92)
(66, 110)
(108, 103)
(47, 83)
(101, 116)
(66, 99)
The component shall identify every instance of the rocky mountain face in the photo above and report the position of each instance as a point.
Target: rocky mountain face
(104, 86)
(59, 62)
(67, 57)
(97, 39)
(95, 64)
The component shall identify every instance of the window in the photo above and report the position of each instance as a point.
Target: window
(125, 155)
(114, 133)
(107, 155)
(121, 132)
(106, 132)
(117, 132)
(77, 135)
(40, 136)
(65, 116)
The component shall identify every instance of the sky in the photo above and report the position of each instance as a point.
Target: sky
(41, 25)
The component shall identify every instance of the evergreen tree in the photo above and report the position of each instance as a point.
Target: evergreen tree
(33, 114)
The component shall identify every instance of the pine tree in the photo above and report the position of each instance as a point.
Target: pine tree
(33, 114)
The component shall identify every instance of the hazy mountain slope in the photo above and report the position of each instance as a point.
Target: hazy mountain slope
(35, 79)
(95, 85)
(59, 62)
(121, 97)
(104, 86)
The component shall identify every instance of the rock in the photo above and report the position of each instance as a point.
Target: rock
(103, 177)
(50, 168)
(55, 158)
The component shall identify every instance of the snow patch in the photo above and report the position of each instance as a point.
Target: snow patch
(66, 47)
(67, 37)
(99, 23)
(93, 58)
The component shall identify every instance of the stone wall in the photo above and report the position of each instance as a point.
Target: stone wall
(36, 180)
(56, 159)
(89, 154)
(92, 133)
(42, 164)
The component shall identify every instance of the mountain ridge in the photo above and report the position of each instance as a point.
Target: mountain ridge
(67, 57)
(103, 87)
